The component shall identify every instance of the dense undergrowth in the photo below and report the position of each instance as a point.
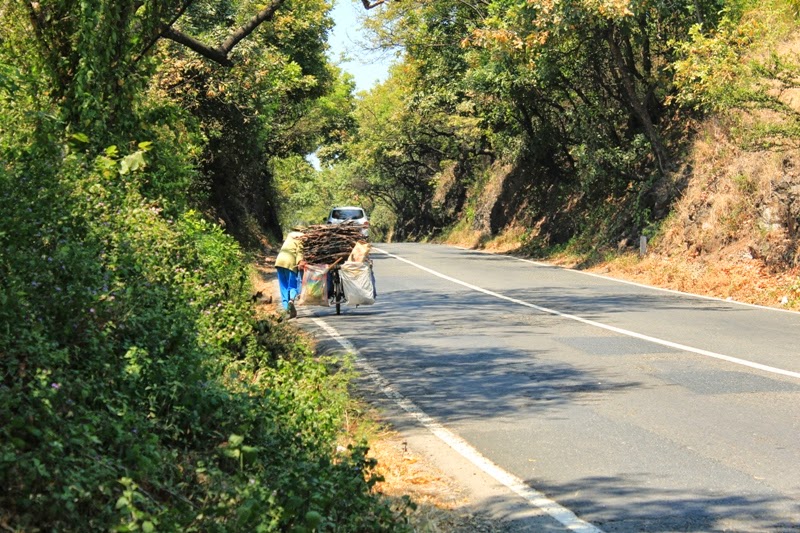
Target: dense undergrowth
(139, 390)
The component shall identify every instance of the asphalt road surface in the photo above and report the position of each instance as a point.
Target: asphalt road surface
(611, 406)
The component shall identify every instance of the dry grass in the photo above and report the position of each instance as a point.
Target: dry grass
(742, 281)
(440, 502)
(265, 284)
(467, 237)
(507, 241)
(727, 237)
(464, 236)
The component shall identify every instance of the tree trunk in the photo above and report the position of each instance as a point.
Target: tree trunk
(627, 78)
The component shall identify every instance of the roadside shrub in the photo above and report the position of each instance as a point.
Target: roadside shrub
(137, 389)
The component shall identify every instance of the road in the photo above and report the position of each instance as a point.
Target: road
(620, 408)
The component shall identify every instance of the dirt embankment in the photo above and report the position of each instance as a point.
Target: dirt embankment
(735, 231)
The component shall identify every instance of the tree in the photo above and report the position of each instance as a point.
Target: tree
(575, 89)
(279, 99)
(400, 150)
(94, 53)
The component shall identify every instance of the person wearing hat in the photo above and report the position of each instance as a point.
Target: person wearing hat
(289, 257)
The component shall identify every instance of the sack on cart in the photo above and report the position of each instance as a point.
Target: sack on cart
(315, 286)
(357, 283)
(360, 252)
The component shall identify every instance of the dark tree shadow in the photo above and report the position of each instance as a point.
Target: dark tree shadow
(636, 505)
(454, 368)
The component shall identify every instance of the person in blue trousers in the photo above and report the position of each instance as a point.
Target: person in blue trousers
(289, 257)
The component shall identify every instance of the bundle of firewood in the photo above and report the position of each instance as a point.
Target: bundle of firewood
(324, 244)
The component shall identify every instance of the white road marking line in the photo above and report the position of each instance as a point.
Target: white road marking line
(600, 325)
(561, 514)
(650, 287)
(624, 281)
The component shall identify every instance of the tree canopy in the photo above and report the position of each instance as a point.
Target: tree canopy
(579, 95)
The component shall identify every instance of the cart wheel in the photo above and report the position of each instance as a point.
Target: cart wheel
(338, 309)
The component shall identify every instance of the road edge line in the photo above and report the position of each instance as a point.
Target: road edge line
(623, 281)
(535, 498)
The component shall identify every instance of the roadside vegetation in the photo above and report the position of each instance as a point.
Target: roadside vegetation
(139, 390)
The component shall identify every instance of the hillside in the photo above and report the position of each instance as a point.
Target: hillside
(732, 233)
(723, 222)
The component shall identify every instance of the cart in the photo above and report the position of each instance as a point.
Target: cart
(338, 268)
(332, 285)
(337, 295)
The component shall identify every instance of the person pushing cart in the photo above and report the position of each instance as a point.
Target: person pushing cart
(336, 267)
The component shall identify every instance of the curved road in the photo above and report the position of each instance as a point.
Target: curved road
(618, 407)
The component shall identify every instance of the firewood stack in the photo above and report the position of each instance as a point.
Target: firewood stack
(323, 244)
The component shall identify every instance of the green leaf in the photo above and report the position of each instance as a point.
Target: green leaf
(132, 163)
(234, 453)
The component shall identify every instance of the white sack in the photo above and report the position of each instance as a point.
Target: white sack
(357, 283)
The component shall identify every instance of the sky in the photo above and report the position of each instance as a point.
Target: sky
(368, 68)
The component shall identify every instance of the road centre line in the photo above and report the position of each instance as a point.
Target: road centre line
(625, 281)
(651, 287)
(600, 325)
(535, 498)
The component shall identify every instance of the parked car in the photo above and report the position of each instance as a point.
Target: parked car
(350, 214)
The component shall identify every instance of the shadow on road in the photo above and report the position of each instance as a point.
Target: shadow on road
(591, 304)
(638, 507)
(454, 365)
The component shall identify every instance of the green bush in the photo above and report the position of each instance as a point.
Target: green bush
(137, 389)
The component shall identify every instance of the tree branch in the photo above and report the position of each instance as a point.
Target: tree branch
(163, 29)
(220, 53)
(370, 5)
(214, 54)
(247, 28)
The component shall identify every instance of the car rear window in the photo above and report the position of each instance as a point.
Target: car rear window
(347, 214)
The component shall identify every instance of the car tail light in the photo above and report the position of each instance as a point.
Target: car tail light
(366, 223)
